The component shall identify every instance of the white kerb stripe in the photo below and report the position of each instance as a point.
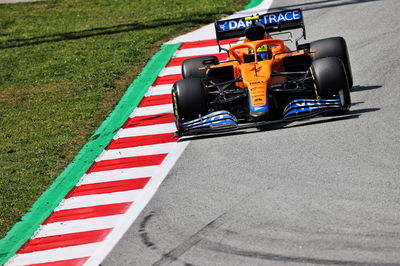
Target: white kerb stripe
(120, 174)
(138, 206)
(159, 90)
(171, 71)
(54, 255)
(136, 151)
(204, 33)
(152, 110)
(100, 199)
(197, 51)
(75, 226)
(146, 130)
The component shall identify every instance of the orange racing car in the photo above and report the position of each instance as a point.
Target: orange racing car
(263, 81)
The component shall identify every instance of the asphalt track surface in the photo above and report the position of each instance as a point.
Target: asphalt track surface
(320, 192)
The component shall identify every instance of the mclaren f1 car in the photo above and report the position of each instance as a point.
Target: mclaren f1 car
(263, 81)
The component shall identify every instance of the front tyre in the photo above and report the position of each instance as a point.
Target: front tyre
(189, 100)
(333, 47)
(330, 80)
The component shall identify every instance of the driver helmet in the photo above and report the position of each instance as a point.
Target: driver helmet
(262, 52)
(255, 32)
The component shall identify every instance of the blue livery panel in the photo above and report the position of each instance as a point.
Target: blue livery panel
(266, 19)
(306, 106)
(215, 120)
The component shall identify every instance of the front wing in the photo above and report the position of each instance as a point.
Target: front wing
(220, 121)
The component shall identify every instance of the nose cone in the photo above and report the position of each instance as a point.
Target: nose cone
(259, 115)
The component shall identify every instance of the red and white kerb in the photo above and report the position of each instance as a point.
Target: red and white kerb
(96, 213)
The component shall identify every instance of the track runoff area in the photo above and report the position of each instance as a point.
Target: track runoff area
(96, 213)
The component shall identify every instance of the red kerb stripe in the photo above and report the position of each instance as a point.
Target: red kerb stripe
(88, 212)
(146, 120)
(168, 79)
(205, 43)
(108, 187)
(177, 61)
(66, 240)
(155, 100)
(129, 162)
(131, 142)
(72, 262)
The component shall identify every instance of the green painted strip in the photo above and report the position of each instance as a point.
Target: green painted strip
(50, 199)
(253, 3)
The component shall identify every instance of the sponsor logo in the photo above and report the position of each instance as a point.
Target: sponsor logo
(257, 82)
(222, 26)
(261, 108)
(267, 19)
(234, 24)
(175, 105)
(303, 104)
(307, 104)
(281, 17)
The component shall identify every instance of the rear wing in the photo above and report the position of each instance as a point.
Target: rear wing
(273, 22)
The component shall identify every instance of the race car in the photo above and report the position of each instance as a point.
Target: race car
(263, 81)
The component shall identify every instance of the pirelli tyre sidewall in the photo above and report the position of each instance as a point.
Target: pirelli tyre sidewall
(333, 47)
(191, 67)
(189, 100)
(330, 80)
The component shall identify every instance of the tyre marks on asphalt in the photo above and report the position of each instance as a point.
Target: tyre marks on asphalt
(270, 257)
(143, 233)
(192, 241)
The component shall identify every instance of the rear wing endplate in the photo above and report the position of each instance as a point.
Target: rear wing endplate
(273, 22)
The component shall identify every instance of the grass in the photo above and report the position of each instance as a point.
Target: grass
(63, 67)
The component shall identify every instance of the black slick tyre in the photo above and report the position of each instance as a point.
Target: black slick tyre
(330, 80)
(189, 100)
(190, 67)
(333, 47)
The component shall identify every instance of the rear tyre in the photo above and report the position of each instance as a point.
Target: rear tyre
(333, 47)
(330, 80)
(189, 100)
(190, 67)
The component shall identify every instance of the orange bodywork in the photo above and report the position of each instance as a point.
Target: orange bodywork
(256, 75)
